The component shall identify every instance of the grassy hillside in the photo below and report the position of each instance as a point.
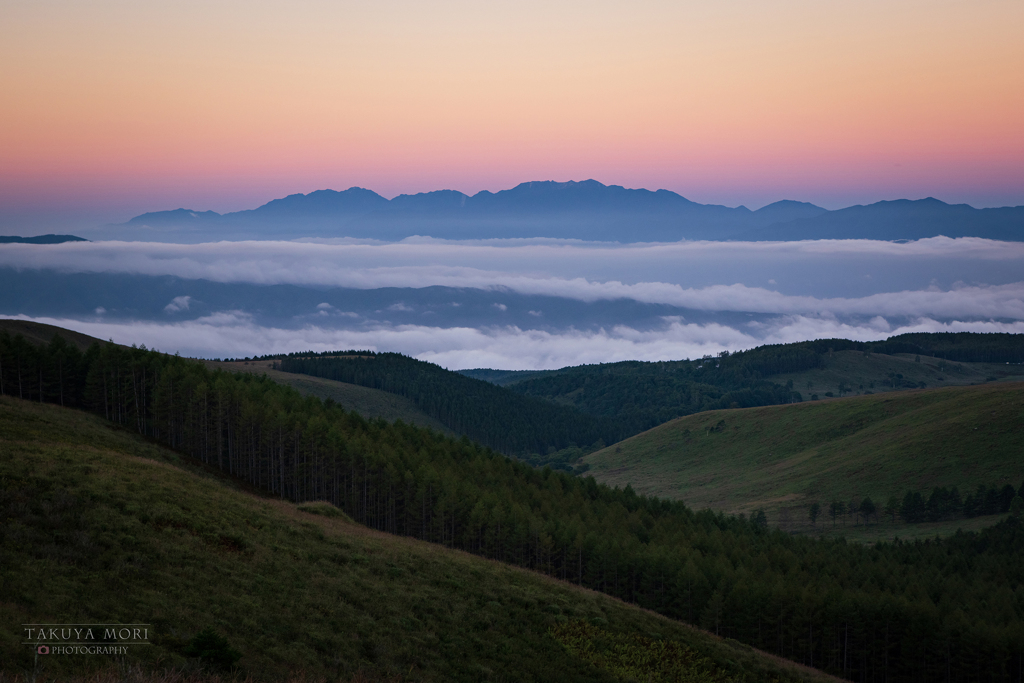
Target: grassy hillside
(901, 611)
(783, 458)
(40, 333)
(370, 403)
(103, 526)
(643, 395)
(860, 373)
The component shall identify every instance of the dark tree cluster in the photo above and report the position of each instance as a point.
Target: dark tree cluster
(498, 418)
(923, 611)
(644, 395)
(960, 347)
(947, 504)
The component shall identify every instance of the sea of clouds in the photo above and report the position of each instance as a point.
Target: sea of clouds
(791, 291)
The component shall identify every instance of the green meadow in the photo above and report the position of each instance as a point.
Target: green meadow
(784, 458)
(100, 525)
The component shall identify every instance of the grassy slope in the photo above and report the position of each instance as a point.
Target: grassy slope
(101, 526)
(783, 458)
(39, 333)
(869, 372)
(369, 403)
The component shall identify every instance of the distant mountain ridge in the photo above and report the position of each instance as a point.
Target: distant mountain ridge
(40, 239)
(586, 210)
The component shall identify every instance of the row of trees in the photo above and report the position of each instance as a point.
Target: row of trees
(947, 504)
(923, 611)
(942, 504)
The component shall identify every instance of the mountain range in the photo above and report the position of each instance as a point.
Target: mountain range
(39, 239)
(586, 210)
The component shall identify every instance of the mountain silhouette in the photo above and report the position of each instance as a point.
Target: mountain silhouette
(586, 210)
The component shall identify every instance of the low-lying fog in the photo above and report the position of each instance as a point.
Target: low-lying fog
(513, 304)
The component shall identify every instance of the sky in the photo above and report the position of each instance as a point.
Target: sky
(113, 108)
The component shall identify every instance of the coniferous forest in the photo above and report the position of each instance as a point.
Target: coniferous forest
(591, 406)
(497, 418)
(644, 395)
(519, 420)
(949, 609)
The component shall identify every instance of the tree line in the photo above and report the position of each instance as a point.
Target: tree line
(503, 420)
(934, 610)
(554, 413)
(647, 394)
(913, 508)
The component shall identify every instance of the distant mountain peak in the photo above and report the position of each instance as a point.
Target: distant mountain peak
(156, 218)
(579, 209)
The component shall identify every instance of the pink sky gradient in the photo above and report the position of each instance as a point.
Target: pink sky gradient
(113, 108)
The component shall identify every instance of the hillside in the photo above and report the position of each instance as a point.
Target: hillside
(868, 612)
(642, 395)
(41, 333)
(783, 458)
(126, 531)
(856, 373)
(370, 403)
(495, 417)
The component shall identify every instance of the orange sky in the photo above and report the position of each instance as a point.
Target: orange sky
(223, 105)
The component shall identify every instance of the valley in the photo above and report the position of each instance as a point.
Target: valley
(125, 530)
(105, 528)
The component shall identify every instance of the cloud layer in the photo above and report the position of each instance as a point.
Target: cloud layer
(602, 299)
(233, 334)
(941, 277)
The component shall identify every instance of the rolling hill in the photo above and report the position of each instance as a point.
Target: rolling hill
(784, 458)
(127, 531)
(902, 611)
(41, 333)
(370, 403)
(602, 404)
(645, 394)
(506, 421)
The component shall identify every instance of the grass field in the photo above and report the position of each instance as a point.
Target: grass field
(102, 526)
(873, 373)
(783, 458)
(369, 403)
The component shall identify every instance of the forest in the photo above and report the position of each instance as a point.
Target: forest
(548, 417)
(517, 420)
(650, 394)
(949, 609)
(498, 418)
